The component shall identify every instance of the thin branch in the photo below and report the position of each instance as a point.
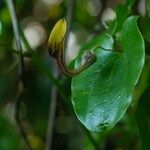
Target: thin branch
(21, 70)
(54, 93)
(103, 7)
(69, 16)
(15, 25)
(52, 112)
(70, 12)
(18, 100)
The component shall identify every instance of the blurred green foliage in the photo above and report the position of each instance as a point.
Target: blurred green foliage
(36, 19)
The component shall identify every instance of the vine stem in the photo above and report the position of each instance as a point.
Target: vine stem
(70, 13)
(54, 92)
(21, 70)
(15, 26)
(103, 7)
(18, 100)
(52, 112)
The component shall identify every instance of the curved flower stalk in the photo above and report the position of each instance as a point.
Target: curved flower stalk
(56, 50)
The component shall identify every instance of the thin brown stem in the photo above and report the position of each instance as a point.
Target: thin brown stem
(19, 97)
(70, 12)
(103, 7)
(54, 93)
(21, 70)
(52, 112)
(12, 11)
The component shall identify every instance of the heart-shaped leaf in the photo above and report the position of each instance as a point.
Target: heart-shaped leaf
(102, 93)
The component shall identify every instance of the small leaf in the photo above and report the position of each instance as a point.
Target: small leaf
(58, 33)
(121, 15)
(102, 93)
(122, 11)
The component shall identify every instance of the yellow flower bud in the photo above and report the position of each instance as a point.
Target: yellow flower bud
(57, 34)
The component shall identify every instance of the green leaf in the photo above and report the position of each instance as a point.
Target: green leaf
(122, 11)
(143, 119)
(121, 15)
(102, 93)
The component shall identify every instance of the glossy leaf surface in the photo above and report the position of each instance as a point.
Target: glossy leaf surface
(102, 93)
